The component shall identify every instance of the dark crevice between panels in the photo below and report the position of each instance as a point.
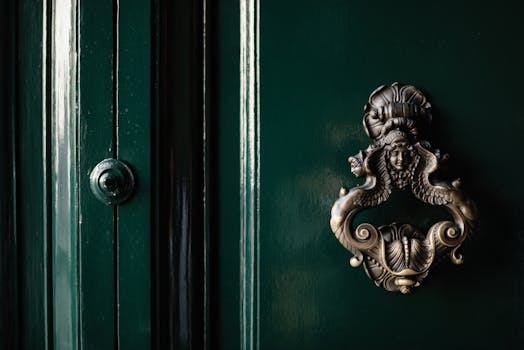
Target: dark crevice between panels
(180, 204)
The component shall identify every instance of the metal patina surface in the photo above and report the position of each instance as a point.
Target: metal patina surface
(398, 257)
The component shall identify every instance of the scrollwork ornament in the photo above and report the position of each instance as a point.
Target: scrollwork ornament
(398, 257)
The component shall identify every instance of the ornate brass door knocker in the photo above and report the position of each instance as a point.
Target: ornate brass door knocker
(398, 257)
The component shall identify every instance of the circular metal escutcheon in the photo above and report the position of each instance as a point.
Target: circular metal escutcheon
(112, 181)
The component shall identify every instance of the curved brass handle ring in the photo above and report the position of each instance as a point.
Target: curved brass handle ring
(398, 257)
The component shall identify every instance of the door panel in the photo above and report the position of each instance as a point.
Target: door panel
(237, 118)
(317, 64)
(98, 302)
(75, 273)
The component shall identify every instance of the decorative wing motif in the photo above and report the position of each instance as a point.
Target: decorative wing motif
(375, 190)
(421, 184)
(378, 183)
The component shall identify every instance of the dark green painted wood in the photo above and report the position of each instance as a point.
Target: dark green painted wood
(318, 66)
(67, 256)
(96, 227)
(35, 312)
(133, 131)
(329, 59)
(225, 165)
(8, 242)
(208, 177)
(157, 320)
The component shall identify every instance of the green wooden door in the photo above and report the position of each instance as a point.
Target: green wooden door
(288, 120)
(237, 118)
(76, 273)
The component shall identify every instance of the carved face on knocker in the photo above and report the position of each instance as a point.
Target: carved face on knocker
(356, 165)
(401, 160)
(400, 157)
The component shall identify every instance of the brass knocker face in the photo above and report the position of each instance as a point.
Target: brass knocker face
(398, 257)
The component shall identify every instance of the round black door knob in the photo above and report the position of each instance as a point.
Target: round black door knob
(112, 181)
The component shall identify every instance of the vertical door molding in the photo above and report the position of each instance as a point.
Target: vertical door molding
(249, 172)
(63, 205)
